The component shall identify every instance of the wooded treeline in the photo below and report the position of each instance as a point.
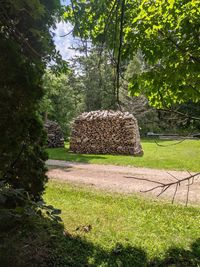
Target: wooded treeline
(143, 53)
(157, 44)
(89, 85)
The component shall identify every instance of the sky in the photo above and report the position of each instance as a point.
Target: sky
(63, 44)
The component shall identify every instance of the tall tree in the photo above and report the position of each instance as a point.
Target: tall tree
(96, 76)
(166, 33)
(26, 47)
(63, 99)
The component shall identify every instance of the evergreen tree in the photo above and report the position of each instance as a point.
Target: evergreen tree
(26, 47)
(97, 79)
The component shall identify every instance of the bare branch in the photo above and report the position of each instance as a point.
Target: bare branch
(169, 144)
(188, 189)
(179, 142)
(173, 176)
(120, 46)
(188, 178)
(175, 191)
(64, 35)
(179, 113)
(165, 186)
(144, 179)
(163, 190)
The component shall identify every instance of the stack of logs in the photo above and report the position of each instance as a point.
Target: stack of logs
(106, 132)
(54, 134)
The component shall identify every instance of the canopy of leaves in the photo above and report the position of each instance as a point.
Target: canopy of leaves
(166, 33)
(63, 99)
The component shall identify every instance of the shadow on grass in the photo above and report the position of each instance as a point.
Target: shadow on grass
(41, 242)
(158, 140)
(86, 158)
(63, 168)
(65, 154)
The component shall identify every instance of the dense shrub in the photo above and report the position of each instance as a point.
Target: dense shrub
(25, 49)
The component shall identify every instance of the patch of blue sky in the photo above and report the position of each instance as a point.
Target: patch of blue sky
(65, 2)
(65, 44)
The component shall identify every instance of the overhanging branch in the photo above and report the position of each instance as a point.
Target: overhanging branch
(165, 186)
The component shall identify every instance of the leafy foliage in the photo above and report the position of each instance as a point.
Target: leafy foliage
(96, 76)
(26, 47)
(63, 98)
(87, 85)
(166, 33)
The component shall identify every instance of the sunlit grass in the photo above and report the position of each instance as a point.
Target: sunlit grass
(125, 221)
(183, 156)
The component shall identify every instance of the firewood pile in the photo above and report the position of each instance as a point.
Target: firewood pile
(55, 136)
(106, 132)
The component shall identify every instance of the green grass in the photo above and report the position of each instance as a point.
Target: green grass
(126, 230)
(183, 156)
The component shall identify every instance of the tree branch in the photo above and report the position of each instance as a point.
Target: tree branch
(120, 46)
(165, 186)
(178, 47)
(107, 23)
(64, 35)
(179, 113)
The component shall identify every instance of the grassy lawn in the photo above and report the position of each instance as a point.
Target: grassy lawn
(183, 156)
(126, 230)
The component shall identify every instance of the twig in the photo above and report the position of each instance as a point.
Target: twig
(169, 144)
(165, 186)
(175, 191)
(144, 179)
(188, 190)
(64, 35)
(163, 190)
(179, 113)
(174, 183)
(120, 47)
(179, 142)
(172, 176)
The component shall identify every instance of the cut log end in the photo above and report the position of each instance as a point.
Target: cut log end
(106, 132)
(55, 136)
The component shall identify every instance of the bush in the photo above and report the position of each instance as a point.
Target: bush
(23, 57)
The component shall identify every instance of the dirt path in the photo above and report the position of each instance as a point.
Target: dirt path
(122, 179)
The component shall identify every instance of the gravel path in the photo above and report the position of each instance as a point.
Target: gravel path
(122, 179)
